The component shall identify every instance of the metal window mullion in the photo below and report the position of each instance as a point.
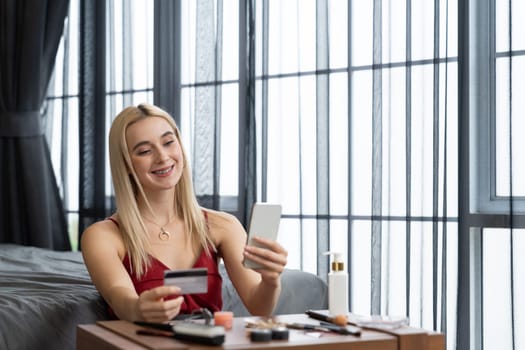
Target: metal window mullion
(350, 158)
(218, 103)
(435, 163)
(444, 284)
(264, 97)
(110, 60)
(511, 197)
(300, 144)
(408, 149)
(464, 299)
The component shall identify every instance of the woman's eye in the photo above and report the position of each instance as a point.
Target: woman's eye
(169, 142)
(143, 152)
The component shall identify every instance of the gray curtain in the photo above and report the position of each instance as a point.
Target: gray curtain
(31, 211)
(209, 90)
(248, 194)
(358, 124)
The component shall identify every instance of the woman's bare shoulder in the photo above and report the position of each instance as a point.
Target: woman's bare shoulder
(103, 232)
(221, 219)
(102, 227)
(223, 225)
(229, 237)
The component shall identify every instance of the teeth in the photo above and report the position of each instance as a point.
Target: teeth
(162, 171)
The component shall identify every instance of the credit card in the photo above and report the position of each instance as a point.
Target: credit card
(190, 281)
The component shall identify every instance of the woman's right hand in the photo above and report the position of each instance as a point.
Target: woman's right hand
(152, 307)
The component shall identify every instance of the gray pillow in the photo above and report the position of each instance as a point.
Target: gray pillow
(300, 291)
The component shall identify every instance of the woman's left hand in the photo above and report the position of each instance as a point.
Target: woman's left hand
(273, 258)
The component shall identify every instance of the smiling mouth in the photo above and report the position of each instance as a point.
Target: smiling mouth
(163, 171)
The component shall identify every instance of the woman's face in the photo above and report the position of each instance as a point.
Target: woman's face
(155, 152)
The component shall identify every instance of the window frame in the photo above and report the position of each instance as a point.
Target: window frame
(482, 85)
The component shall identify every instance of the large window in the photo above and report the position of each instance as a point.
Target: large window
(126, 62)
(355, 107)
(61, 109)
(346, 113)
(495, 217)
(357, 117)
(209, 95)
(498, 62)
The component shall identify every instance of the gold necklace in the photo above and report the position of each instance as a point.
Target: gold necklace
(163, 234)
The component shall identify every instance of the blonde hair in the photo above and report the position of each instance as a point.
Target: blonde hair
(127, 189)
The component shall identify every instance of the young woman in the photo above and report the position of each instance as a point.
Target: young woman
(159, 225)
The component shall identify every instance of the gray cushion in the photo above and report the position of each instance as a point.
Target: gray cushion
(300, 291)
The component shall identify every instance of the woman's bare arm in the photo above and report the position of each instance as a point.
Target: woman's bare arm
(103, 250)
(259, 290)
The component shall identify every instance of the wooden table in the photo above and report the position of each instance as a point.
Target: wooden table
(110, 335)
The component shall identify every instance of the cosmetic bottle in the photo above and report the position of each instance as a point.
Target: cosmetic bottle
(337, 286)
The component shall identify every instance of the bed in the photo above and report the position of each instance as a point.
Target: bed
(45, 294)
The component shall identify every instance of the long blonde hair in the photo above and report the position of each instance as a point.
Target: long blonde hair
(128, 187)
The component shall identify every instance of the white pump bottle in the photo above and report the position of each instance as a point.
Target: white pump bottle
(337, 286)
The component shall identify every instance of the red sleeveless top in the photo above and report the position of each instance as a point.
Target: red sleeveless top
(154, 277)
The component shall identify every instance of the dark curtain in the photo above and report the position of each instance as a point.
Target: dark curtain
(31, 211)
(248, 193)
(93, 203)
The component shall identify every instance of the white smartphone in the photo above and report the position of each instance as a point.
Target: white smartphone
(264, 222)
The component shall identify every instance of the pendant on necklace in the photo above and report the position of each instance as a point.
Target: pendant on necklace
(163, 234)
